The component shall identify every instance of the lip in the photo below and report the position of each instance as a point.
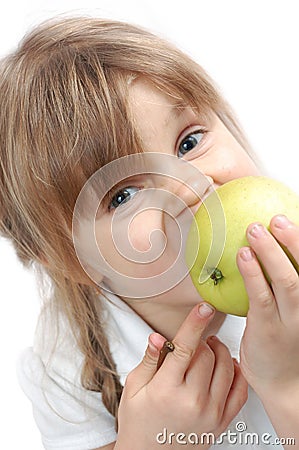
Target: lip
(207, 193)
(212, 188)
(186, 216)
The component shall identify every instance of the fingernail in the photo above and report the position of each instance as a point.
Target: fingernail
(246, 254)
(257, 230)
(152, 347)
(281, 221)
(205, 310)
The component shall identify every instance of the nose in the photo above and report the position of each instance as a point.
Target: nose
(188, 193)
(192, 191)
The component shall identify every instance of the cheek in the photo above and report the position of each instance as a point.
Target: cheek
(241, 164)
(132, 245)
(230, 162)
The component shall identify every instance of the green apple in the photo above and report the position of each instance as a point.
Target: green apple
(218, 231)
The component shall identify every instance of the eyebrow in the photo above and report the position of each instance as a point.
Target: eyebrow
(175, 112)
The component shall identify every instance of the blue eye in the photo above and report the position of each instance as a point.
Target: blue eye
(189, 142)
(123, 196)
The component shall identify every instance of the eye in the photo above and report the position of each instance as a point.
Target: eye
(190, 141)
(123, 196)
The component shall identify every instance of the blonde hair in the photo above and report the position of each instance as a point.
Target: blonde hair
(64, 114)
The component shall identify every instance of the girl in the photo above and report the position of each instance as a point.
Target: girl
(87, 96)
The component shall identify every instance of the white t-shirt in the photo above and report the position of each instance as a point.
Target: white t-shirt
(70, 417)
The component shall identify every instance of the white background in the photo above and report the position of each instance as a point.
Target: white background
(249, 47)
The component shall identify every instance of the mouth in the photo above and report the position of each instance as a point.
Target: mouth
(202, 199)
(212, 188)
(186, 217)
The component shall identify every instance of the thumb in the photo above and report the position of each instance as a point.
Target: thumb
(146, 369)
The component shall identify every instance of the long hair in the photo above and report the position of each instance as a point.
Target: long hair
(64, 114)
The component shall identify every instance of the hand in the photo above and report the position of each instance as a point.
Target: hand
(269, 348)
(197, 389)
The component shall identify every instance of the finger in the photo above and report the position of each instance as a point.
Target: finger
(287, 233)
(200, 370)
(261, 300)
(223, 374)
(284, 278)
(186, 343)
(236, 398)
(144, 372)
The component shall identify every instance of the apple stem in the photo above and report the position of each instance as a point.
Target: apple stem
(216, 276)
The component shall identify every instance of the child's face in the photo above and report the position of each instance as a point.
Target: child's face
(142, 231)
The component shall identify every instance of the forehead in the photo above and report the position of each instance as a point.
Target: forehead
(147, 100)
(154, 110)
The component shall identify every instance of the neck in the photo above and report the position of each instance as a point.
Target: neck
(167, 319)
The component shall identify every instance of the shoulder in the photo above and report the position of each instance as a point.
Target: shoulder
(67, 415)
